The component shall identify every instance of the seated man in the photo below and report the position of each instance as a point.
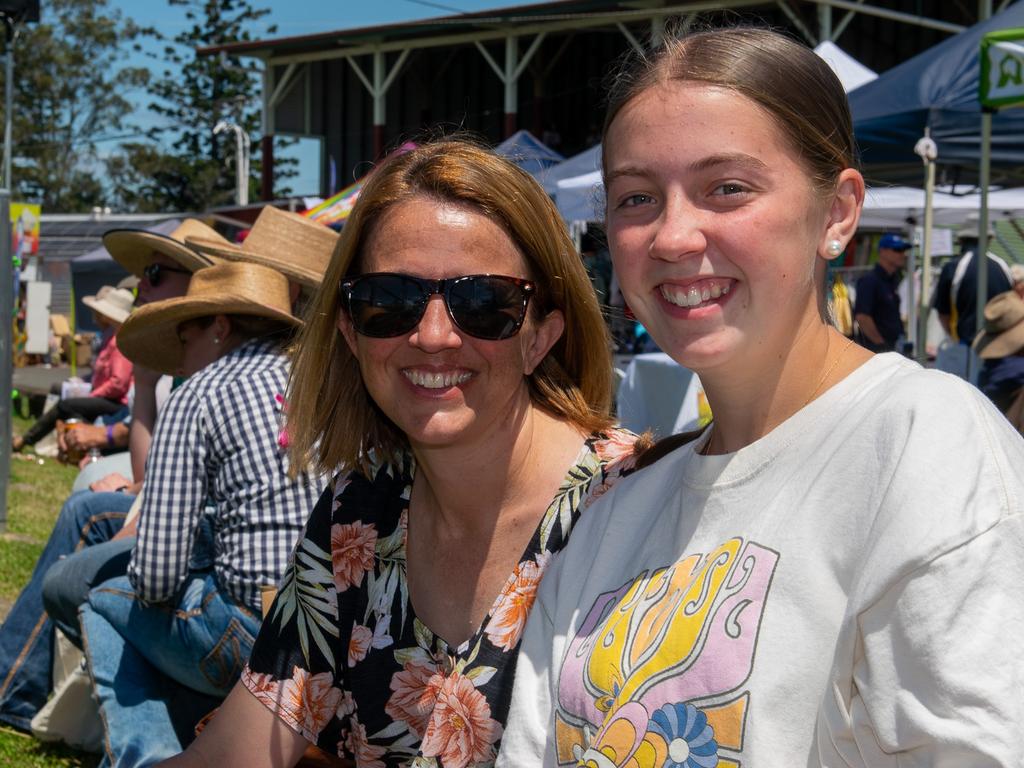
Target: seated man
(1001, 342)
(112, 372)
(164, 265)
(268, 244)
(168, 631)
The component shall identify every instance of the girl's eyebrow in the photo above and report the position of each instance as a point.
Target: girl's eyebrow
(740, 159)
(735, 159)
(628, 170)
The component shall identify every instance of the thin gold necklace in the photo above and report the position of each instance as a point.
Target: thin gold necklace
(829, 370)
(703, 451)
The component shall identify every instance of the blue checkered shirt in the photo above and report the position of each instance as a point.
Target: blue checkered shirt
(215, 451)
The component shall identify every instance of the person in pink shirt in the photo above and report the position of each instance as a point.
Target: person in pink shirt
(112, 372)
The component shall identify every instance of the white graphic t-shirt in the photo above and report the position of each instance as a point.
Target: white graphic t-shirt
(846, 591)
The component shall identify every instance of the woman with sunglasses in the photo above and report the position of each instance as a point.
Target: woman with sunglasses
(830, 574)
(457, 366)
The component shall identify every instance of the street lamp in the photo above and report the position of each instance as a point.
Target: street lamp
(928, 151)
(241, 159)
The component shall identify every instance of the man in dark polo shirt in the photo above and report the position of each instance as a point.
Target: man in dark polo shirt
(956, 293)
(877, 307)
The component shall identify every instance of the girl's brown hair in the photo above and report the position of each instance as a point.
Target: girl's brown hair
(788, 80)
(332, 420)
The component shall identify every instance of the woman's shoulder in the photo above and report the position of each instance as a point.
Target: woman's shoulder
(377, 490)
(616, 448)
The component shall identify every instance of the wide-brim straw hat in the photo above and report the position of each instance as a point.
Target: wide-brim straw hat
(133, 249)
(1003, 334)
(150, 336)
(115, 303)
(282, 240)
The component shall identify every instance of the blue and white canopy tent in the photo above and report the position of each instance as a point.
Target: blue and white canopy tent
(938, 90)
(585, 162)
(528, 152)
(928, 108)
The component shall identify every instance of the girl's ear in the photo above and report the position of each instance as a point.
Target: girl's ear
(843, 214)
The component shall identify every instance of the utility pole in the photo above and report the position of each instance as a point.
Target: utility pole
(11, 13)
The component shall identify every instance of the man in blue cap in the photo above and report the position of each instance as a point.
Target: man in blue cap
(877, 306)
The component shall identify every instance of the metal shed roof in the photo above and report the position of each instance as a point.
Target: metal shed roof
(530, 18)
(63, 237)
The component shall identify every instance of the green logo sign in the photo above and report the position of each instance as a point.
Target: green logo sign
(1002, 69)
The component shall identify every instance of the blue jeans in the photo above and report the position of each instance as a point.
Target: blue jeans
(157, 669)
(68, 582)
(26, 637)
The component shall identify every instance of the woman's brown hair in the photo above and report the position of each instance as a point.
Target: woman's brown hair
(788, 80)
(332, 420)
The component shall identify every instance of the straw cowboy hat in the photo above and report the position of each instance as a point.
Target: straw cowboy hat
(133, 249)
(1004, 327)
(150, 337)
(285, 241)
(114, 303)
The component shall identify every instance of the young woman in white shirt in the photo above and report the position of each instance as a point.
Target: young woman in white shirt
(828, 575)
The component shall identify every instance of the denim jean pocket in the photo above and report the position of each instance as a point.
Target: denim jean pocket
(223, 665)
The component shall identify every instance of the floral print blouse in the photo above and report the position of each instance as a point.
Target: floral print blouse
(342, 658)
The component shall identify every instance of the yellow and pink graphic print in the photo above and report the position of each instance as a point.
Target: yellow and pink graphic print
(655, 677)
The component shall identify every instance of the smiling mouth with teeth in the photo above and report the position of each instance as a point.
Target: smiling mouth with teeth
(694, 295)
(432, 380)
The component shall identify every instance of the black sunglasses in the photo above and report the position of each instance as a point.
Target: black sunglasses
(385, 304)
(154, 272)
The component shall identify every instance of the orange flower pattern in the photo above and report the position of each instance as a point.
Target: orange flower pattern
(461, 731)
(306, 702)
(365, 754)
(345, 624)
(352, 548)
(414, 689)
(359, 644)
(508, 619)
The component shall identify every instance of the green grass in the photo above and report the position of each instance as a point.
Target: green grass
(35, 494)
(18, 749)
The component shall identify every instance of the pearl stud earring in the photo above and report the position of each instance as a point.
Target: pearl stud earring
(835, 247)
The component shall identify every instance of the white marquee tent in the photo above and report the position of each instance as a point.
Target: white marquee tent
(851, 73)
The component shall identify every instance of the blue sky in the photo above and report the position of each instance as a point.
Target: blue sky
(319, 15)
(316, 16)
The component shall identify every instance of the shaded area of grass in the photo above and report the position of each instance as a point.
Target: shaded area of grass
(35, 493)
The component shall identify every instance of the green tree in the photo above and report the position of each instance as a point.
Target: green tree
(69, 93)
(184, 166)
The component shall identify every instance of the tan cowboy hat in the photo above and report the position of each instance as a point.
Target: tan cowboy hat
(150, 337)
(114, 303)
(285, 241)
(133, 249)
(1003, 334)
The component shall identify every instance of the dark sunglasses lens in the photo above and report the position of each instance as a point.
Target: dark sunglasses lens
(385, 305)
(487, 307)
(152, 273)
